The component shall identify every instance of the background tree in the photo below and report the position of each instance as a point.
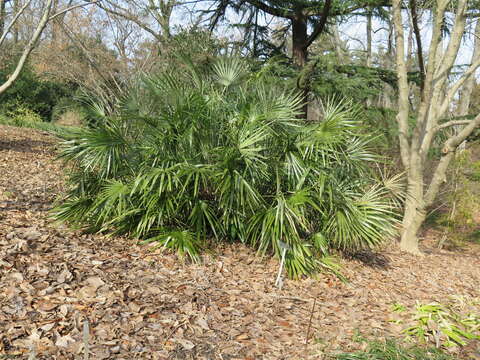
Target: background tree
(437, 94)
(301, 16)
(45, 15)
(153, 16)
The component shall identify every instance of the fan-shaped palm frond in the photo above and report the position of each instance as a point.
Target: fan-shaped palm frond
(196, 155)
(228, 71)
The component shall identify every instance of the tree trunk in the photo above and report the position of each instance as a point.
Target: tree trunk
(368, 60)
(2, 17)
(299, 40)
(437, 92)
(466, 93)
(412, 221)
(16, 7)
(337, 44)
(299, 54)
(414, 213)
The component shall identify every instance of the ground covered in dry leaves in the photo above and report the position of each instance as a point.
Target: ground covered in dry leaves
(144, 305)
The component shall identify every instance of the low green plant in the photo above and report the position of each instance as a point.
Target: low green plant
(33, 123)
(443, 325)
(474, 173)
(22, 114)
(31, 91)
(195, 154)
(391, 350)
(459, 214)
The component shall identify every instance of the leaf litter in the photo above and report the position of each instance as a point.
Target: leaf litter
(138, 304)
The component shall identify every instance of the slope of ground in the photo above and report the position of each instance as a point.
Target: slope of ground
(143, 305)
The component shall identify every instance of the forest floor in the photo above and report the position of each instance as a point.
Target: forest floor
(147, 305)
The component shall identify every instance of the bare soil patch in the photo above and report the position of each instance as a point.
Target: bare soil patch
(144, 305)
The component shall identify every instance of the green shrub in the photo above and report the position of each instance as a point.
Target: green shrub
(38, 95)
(457, 212)
(390, 350)
(454, 324)
(34, 123)
(21, 113)
(217, 154)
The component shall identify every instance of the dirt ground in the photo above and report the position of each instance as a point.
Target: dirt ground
(58, 286)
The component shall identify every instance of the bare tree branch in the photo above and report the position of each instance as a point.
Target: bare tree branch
(14, 20)
(403, 89)
(124, 13)
(448, 150)
(29, 47)
(61, 12)
(418, 40)
(452, 123)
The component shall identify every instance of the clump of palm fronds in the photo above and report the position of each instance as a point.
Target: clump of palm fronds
(217, 154)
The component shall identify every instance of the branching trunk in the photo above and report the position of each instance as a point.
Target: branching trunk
(437, 94)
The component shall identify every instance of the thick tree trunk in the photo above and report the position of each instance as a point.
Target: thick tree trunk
(299, 55)
(299, 40)
(414, 213)
(413, 218)
(437, 92)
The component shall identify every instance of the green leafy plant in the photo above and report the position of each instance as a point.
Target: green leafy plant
(31, 91)
(21, 114)
(442, 325)
(391, 350)
(220, 153)
(457, 213)
(34, 123)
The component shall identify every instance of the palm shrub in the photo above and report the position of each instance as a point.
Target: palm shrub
(220, 153)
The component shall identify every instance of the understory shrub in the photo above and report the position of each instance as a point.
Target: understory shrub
(443, 325)
(198, 154)
(34, 123)
(390, 350)
(457, 212)
(31, 92)
(22, 113)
